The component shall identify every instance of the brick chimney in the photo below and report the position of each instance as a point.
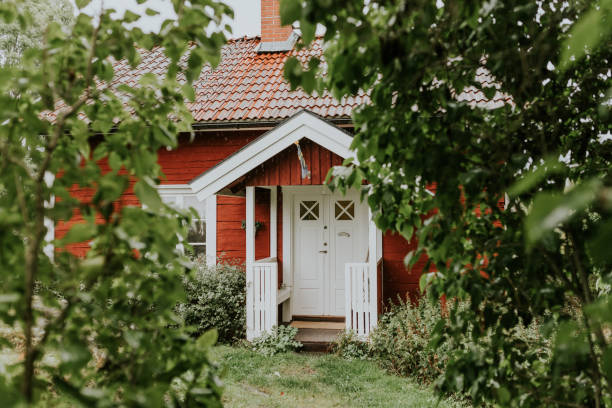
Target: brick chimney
(274, 37)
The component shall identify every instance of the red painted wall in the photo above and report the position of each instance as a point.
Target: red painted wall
(190, 159)
(284, 169)
(231, 238)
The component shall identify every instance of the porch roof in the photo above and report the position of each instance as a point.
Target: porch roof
(302, 125)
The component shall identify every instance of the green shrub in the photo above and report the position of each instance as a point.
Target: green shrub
(349, 346)
(216, 298)
(280, 340)
(401, 341)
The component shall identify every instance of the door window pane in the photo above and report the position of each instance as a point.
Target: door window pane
(309, 210)
(345, 210)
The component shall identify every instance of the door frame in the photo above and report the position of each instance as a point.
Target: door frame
(288, 210)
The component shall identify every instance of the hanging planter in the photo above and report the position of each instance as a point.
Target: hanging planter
(258, 225)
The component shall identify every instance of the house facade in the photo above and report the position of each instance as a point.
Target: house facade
(255, 173)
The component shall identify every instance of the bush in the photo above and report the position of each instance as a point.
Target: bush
(347, 345)
(280, 340)
(401, 341)
(216, 298)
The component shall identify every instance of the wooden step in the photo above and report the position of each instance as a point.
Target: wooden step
(317, 339)
(318, 318)
(317, 325)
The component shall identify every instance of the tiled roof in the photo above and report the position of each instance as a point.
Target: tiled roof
(249, 86)
(476, 97)
(246, 86)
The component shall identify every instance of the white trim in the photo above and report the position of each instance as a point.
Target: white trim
(301, 125)
(273, 223)
(287, 242)
(250, 259)
(373, 266)
(174, 189)
(211, 230)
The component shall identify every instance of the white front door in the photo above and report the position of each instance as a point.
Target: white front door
(329, 231)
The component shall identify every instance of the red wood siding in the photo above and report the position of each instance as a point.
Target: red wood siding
(190, 159)
(231, 238)
(181, 165)
(397, 279)
(284, 168)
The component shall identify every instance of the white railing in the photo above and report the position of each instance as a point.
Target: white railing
(262, 295)
(361, 298)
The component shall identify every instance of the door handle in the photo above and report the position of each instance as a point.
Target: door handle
(322, 252)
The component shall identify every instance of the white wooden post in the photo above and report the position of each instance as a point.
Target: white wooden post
(273, 225)
(252, 296)
(373, 273)
(211, 230)
(287, 242)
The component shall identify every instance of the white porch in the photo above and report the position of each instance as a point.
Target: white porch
(358, 278)
(331, 248)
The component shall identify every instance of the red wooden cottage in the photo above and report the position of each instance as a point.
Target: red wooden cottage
(307, 251)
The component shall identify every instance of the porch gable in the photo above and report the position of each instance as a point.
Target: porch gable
(303, 125)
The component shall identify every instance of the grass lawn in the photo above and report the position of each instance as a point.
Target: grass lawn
(315, 380)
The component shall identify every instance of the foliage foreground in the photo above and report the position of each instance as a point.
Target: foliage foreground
(100, 330)
(314, 380)
(437, 167)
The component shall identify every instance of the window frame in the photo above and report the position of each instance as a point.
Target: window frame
(207, 211)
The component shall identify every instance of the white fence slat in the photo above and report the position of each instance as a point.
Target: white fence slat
(258, 300)
(348, 305)
(273, 295)
(360, 298)
(268, 298)
(250, 307)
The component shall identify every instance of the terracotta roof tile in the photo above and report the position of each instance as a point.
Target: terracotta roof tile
(250, 86)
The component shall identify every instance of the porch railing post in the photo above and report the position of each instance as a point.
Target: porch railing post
(250, 260)
(372, 270)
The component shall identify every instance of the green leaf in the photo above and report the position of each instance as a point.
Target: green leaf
(148, 195)
(79, 233)
(290, 11)
(82, 3)
(151, 12)
(599, 245)
(308, 31)
(189, 92)
(586, 34)
(130, 17)
(208, 339)
(607, 362)
(551, 165)
(426, 279)
(549, 210)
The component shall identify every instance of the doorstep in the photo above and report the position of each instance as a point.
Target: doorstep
(317, 336)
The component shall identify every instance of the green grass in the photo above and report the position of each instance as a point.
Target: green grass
(313, 380)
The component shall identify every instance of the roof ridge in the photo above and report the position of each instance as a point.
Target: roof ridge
(244, 38)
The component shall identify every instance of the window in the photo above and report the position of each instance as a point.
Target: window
(309, 210)
(196, 235)
(345, 210)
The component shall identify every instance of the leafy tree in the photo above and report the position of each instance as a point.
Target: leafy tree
(546, 147)
(99, 330)
(14, 40)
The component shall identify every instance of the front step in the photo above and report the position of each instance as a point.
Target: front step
(317, 336)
